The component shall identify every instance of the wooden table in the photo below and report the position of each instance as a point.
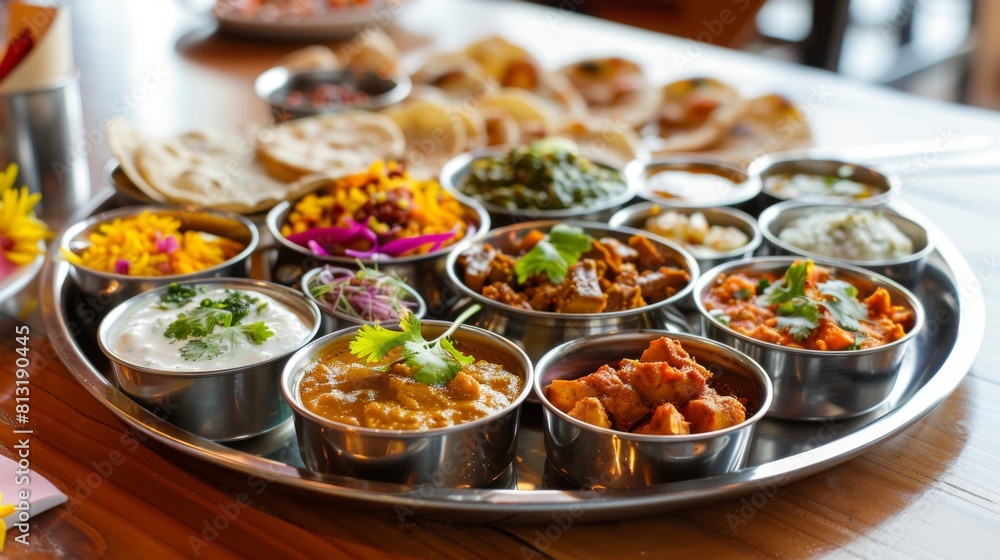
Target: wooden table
(930, 492)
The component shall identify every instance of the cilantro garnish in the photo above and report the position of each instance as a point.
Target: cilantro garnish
(213, 328)
(177, 296)
(436, 362)
(800, 313)
(213, 345)
(553, 255)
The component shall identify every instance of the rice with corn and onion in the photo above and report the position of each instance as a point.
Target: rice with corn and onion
(388, 202)
(152, 245)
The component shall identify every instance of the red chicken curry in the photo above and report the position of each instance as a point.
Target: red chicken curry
(807, 308)
(664, 392)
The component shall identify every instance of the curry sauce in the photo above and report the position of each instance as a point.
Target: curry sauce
(339, 388)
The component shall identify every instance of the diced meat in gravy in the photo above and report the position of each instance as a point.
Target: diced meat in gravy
(601, 253)
(624, 252)
(660, 284)
(485, 265)
(622, 402)
(648, 255)
(660, 383)
(591, 411)
(666, 420)
(664, 393)
(502, 292)
(621, 297)
(582, 290)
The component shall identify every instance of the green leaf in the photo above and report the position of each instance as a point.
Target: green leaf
(763, 285)
(437, 366)
(198, 322)
(202, 349)
(845, 307)
(373, 342)
(801, 322)
(177, 296)
(743, 294)
(553, 255)
(256, 333)
(459, 357)
(720, 316)
(435, 363)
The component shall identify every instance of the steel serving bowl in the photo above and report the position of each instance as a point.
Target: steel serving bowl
(454, 173)
(540, 331)
(334, 319)
(113, 288)
(818, 384)
(635, 216)
(423, 272)
(765, 167)
(472, 454)
(742, 194)
(273, 85)
(221, 405)
(906, 270)
(595, 457)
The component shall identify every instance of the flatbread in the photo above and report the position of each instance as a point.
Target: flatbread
(603, 142)
(335, 144)
(434, 134)
(616, 89)
(770, 123)
(534, 117)
(695, 114)
(205, 168)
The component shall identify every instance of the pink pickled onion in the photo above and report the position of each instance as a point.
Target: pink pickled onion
(122, 266)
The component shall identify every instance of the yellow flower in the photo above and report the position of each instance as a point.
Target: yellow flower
(4, 512)
(20, 229)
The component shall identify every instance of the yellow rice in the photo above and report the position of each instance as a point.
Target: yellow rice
(134, 240)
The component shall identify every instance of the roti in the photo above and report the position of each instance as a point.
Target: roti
(615, 88)
(205, 168)
(770, 123)
(336, 144)
(434, 133)
(696, 114)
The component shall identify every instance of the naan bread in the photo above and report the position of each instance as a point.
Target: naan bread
(434, 132)
(370, 51)
(695, 114)
(205, 168)
(770, 123)
(534, 117)
(335, 144)
(616, 89)
(605, 142)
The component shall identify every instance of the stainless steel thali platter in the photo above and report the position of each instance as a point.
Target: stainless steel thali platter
(782, 451)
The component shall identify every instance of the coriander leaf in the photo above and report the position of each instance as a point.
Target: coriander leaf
(212, 346)
(720, 316)
(256, 333)
(437, 366)
(177, 296)
(859, 339)
(373, 342)
(198, 322)
(553, 255)
(763, 285)
(845, 307)
(435, 363)
(201, 349)
(793, 285)
(801, 321)
(569, 239)
(460, 357)
(237, 303)
(743, 294)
